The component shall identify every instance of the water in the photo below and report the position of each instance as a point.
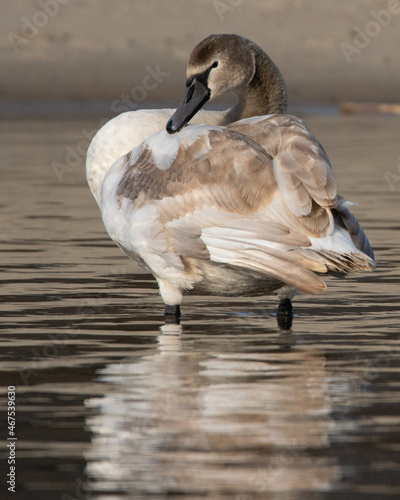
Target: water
(112, 404)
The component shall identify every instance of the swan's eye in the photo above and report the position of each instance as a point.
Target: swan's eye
(215, 64)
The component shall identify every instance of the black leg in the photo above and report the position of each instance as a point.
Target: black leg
(172, 314)
(284, 314)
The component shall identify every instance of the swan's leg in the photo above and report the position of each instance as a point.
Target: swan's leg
(170, 294)
(284, 315)
(172, 314)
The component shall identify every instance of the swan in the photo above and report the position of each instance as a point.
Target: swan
(245, 204)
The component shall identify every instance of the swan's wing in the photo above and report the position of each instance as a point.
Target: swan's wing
(275, 157)
(216, 194)
(307, 182)
(216, 198)
(301, 166)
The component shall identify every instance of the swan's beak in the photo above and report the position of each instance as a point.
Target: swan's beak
(195, 96)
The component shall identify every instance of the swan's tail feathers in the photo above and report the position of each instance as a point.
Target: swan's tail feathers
(342, 263)
(344, 218)
(347, 249)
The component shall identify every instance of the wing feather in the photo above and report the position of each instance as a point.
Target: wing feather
(301, 166)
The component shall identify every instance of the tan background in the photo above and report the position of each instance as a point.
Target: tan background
(100, 50)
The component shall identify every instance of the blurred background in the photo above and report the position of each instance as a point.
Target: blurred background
(125, 54)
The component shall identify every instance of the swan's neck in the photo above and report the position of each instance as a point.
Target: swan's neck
(265, 94)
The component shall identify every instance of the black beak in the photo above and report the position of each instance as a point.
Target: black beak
(195, 96)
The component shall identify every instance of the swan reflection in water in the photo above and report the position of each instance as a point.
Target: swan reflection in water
(221, 422)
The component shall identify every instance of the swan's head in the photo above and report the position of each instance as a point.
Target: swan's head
(217, 64)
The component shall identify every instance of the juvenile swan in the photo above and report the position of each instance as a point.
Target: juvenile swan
(234, 208)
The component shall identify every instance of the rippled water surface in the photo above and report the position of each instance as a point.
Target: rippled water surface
(112, 404)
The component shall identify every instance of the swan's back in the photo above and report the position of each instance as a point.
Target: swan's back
(126, 131)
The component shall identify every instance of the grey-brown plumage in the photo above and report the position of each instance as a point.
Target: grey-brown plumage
(266, 183)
